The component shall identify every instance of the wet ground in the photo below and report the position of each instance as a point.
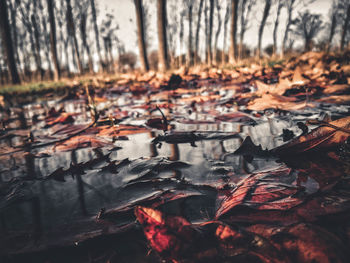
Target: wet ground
(73, 200)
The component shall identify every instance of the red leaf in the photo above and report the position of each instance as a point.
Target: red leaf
(261, 191)
(64, 118)
(170, 236)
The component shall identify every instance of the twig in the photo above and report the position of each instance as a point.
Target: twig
(164, 119)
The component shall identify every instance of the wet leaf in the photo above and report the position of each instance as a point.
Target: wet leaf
(63, 118)
(325, 137)
(262, 191)
(82, 141)
(171, 236)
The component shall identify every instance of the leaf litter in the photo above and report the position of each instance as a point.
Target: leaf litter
(234, 165)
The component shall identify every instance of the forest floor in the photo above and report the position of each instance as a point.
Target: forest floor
(244, 164)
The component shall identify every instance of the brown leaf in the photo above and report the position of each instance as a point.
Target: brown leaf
(321, 138)
(121, 130)
(267, 101)
(82, 141)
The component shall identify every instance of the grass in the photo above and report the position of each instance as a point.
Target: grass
(32, 88)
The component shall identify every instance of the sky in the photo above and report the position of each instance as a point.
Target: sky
(124, 12)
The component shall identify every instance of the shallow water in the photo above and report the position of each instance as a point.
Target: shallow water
(39, 211)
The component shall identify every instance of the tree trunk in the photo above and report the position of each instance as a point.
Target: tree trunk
(13, 11)
(84, 41)
(233, 46)
(53, 42)
(279, 7)
(241, 33)
(162, 40)
(262, 25)
(206, 31)
(181, 37)
(289, 22)
(308, 44)
(217, 32)
(71, 30)
(210, 33)
(227, 15)
(141, 35)
(37, 46)
(197, 30)
(7, 42)
(189, 48)
(97, 39)
(345, 28)
(332, 30)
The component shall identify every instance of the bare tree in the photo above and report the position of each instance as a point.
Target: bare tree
(141, 35)
(53, 42)
(279, 7)
(206, 29)
(219, 24)
(108, 32)
(172, 30)
(333, 23)
(7, 42)
(189, 44)
(26, 11)
(162, 39)
(262, 25)
(197, 29)
(307, 26)
(224, 40)
(289, 4)
(345, 26)
(210, 32)
(246, 8)
(97, 39)
(71, 32)
(226, 19)
(233, 46)
(13, 25)
(83, 36)
(181, 35)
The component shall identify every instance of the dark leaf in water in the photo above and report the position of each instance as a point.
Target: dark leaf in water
(287, 135)
(235, 117)
(58, 175)
(191, 137)
(248, 148)
(157, 123)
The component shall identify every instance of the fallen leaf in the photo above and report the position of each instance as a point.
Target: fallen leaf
(262, 191)
(170, 236)
(321, 138)
(82, 141)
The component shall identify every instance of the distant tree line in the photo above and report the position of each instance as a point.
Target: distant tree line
(48, 39)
